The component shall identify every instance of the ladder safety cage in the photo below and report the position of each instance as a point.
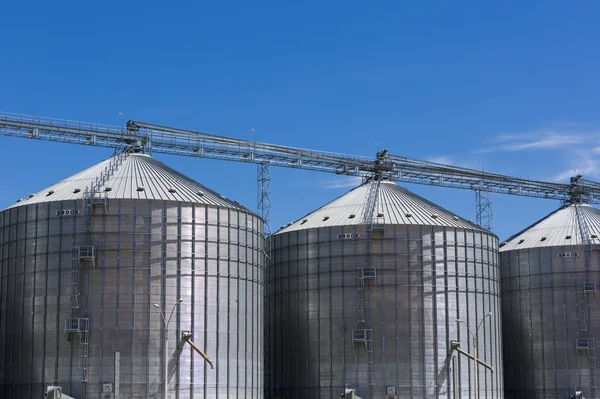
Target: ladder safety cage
(587, 287)
(80, 326)
(585, 343)
(99, 199)
(86, 252)
(362, 335)
(368, 273)
(77, 325)
(378, 223)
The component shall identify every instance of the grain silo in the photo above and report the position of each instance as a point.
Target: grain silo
(551, 312)
(84, 261)
(365, 292)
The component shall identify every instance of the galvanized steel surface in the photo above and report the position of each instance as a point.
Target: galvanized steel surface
(545, 309)
(139, 177)
(560, 228)
(148, 252)
(427, 277)
(396, 205)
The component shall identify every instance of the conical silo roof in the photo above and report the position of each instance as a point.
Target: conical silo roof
(562, 227)
(395, 205)
(139, 176)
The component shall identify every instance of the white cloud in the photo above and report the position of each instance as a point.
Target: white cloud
(343, 182)
(583, 162)
(542, 140)
(443, 159)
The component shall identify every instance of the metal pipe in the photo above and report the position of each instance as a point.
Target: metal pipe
(455, 376)
(186, 336)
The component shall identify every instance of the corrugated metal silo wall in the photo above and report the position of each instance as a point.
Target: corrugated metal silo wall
(148, 252)
(427, 277)
(542, 321)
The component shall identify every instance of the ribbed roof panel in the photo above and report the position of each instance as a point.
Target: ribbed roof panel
(560, 228)
(397, 206)
(139, 177)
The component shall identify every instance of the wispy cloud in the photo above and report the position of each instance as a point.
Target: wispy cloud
(583, 162)
(541, 140)
(444, 159)
(578, 143)
(342, 182)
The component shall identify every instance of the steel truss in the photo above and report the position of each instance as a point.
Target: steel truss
(173, 141)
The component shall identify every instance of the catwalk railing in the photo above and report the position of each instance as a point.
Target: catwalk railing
(167, 140)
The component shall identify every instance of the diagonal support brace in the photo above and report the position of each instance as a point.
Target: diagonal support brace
(455, 346)
(186, 336)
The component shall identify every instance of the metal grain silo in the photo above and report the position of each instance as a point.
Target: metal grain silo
(384, 329)
(82, 264)
(551, 313)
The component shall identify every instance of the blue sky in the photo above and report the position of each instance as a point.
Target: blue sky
(513, 84)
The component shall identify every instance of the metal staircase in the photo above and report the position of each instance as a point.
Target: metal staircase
(361, 335)
(85, 255)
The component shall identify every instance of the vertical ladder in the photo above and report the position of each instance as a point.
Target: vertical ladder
(81, 327)
(81, 255)
(75, 265)
(582, 323)
(86, 255)
(592, 355)
(584, 287)
(83, 348)
(368, 272)
(589, 345)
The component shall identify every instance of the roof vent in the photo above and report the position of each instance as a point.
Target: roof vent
(107, 189)
(594, 236)
(521, 241)
(408, 215)
(380, 215)
(456, 218)
(502, 244)
(200, 193)
(304, 221)
(19, 200)
(31, 195)
(222, 196)
(77, 190)
(326, 218)
(543, 239)
(352, 216)
(172, 190)
(434, 215)
(140, 188)
(289, 224)
(567, 237)
(49, 193)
